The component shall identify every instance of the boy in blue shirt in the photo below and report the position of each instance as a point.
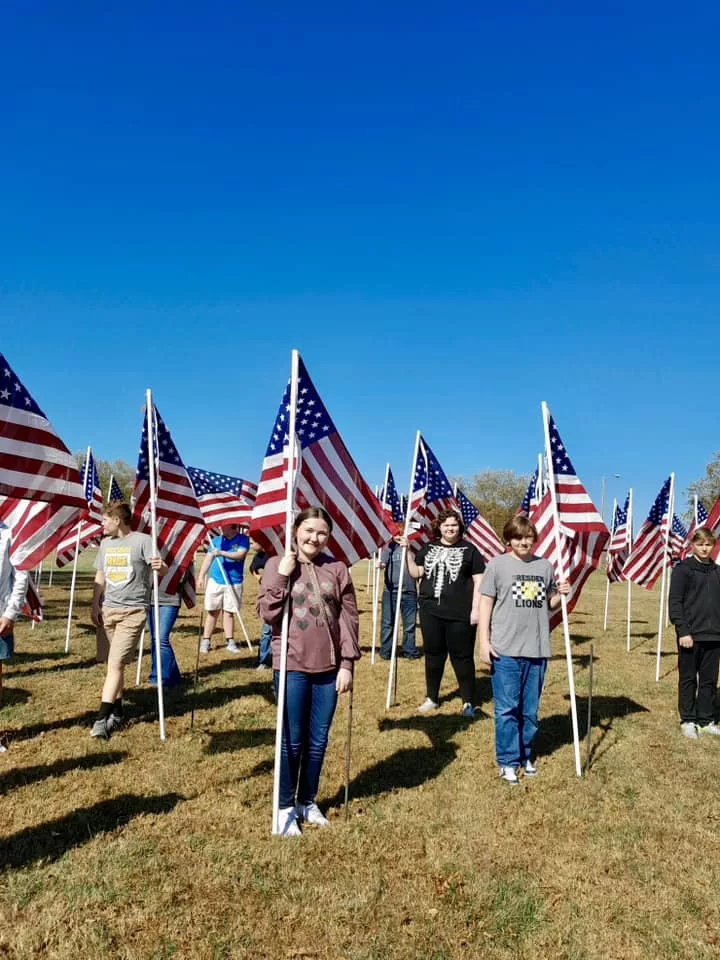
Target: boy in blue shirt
(227, 557)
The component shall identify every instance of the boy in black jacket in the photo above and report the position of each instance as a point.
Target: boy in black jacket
(694, 603)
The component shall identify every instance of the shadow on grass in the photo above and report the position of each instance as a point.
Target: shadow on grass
(179, 700)
(50, 841)
(12, 696)
(28, 732)
(230, 741)
(556, 730)
(410, 767)
(24, 776)
(581, 660)
(56, 668)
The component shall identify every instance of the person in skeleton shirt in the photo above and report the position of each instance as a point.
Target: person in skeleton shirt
(450, 572)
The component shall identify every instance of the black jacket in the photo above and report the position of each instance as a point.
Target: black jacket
(694, 600)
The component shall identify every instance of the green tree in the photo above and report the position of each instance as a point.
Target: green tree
(496, 493)
(123, 473)
(706, 489)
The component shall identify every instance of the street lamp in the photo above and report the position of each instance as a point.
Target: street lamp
(613, 476)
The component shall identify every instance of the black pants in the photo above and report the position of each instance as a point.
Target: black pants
(443, 637)
(697, 682)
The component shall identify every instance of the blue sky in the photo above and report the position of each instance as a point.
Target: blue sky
(452, 212)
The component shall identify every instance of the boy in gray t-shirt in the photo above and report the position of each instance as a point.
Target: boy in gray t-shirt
(124, 566)
(517, 594)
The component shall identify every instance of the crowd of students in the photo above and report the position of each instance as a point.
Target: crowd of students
(506, 602)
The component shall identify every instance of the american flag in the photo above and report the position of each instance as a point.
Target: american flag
(223, 499)
(181, 526)
(700, 519)
(326, 476)
(677, 539)
(431, 490)
(34, 462)
(91, 528)
(477, 530)
(619, 545)
(390, 499)
(115, 494)
(37, 528)
(645, 562)
(531, 495)
(583, 534)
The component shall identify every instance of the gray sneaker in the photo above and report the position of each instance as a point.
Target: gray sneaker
(232, 647)
(102, 728)
(711, 728)
(428, 706)
(204, 646)
(689, 730)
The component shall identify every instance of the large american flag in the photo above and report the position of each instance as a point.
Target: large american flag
(181, 525)
(390, 499)
(619, 545)
(583, 535)
(431, 491)
(91, 528)
(223, 499)
(34, 462)
(645, 562)
(326, 476)
(477, 530)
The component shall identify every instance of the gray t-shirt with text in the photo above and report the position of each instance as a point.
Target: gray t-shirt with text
(128, 578)
(520, 625)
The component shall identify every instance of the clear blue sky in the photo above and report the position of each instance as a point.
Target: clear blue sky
(453, 211)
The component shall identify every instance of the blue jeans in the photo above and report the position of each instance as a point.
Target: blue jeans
(265, 653)
(408, 611)
(171, 675)
(517, 684)
(310, 701)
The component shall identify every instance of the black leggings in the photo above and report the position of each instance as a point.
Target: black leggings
(443, 637)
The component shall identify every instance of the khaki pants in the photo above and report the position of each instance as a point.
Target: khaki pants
(124, 626)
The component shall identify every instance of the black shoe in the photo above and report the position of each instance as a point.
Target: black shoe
(415, 655)
(383, 657)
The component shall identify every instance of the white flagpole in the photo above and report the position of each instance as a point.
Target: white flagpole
(403, 556)
(75, 562)
(562, 575)
(376, 578)
(112, 477)
(629, 541)
(696, 513)
(607, 566)
(150, 412)
(52, 567)
(236, 608)
(289, 506)
(141, 645)
(671, 508)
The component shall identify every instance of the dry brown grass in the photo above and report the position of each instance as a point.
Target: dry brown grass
(139, 849)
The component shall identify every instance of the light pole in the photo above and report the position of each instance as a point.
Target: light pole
(613, 476)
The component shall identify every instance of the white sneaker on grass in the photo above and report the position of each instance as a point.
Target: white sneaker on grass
(204, 645)
(427, 706)
(711, 728)
(232, 647)
(288, 822)
(530, 768)
(312, 814)
(509, 775)
(689, 730)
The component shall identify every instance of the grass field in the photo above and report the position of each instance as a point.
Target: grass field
(140, 849)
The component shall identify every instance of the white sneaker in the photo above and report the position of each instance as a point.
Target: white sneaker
(711, 728)
(689, 730)
(427, 706)
(530, 768)
(232, 647)
(262, 666)
(288, 822)
(312, 814)
(509, 775)
(204, 646)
